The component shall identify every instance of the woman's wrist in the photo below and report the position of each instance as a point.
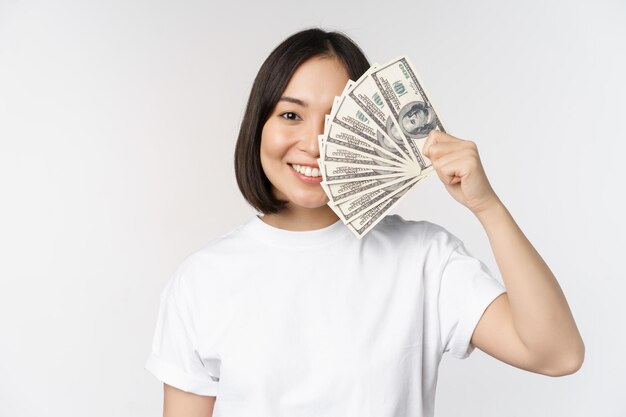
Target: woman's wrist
(491, 211)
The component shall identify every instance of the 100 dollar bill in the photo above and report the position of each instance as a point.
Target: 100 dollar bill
(366, 94)
(344, 191)
(363, 223)
(349, 115)
(340, 172)
(406, 99)
(341, 136)
(354, 207)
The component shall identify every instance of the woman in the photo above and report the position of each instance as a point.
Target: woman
(289, 314)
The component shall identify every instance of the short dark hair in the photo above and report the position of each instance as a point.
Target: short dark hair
(268, 86)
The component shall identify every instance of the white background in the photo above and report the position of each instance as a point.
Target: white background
(118, 122)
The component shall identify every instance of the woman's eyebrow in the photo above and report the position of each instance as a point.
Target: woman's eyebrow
(293, 100)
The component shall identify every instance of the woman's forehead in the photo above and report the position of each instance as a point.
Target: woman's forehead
(317, 79)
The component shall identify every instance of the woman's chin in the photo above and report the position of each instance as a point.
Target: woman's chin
(309, 206)
(309, 203)
(309, 200)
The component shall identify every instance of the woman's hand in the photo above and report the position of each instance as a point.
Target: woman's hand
(458, 165)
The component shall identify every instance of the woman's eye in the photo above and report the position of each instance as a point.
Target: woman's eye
(289, 115)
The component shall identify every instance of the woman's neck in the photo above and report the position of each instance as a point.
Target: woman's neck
(298, 219)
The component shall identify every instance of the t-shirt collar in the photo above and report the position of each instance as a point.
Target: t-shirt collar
(266, 233)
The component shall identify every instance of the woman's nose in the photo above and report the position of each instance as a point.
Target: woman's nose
(311, 143)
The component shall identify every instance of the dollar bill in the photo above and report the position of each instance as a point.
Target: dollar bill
(371, 147)
(341, 136)
(348, 189)
(362, 224)
(350, 116)
(344, 191)
(334, 152)
(405, 97)
(353, 207)
(366, 94)
(340, 172)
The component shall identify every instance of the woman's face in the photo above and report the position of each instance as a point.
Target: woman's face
(290, 133)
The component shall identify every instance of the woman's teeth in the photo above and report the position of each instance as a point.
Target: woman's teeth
(308, 171)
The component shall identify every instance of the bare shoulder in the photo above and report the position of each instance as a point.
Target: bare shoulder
(178, 403)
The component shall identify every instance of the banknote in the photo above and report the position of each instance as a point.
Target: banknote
(352, 208)
(366, 94)
(350, 116)
(367, 220)
(371, 149)
(340, 172)
(342, 136)
(406, 99)
(342, 191)
(337, 152)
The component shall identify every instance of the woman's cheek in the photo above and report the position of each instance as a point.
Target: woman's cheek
(268, 138)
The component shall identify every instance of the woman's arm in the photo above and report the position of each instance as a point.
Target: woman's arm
(530, 326)
(178, 403)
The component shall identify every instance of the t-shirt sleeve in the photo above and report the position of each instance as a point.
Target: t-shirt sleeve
(174, 358)
(467, 288)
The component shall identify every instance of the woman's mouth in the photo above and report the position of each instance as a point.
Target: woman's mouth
(307, 174)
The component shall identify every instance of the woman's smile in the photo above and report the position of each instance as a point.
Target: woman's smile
(289, 138)
(306, 173)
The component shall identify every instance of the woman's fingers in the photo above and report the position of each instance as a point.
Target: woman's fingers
(436, 136)
(452, 159)
(440, 149)
(451, 167)
(456, 170)
(439, 144)
(458, 166)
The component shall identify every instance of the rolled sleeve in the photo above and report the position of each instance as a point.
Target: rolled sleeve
(176, 377)
(174, 358)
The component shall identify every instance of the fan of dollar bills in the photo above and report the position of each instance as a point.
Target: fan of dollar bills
(370, 152)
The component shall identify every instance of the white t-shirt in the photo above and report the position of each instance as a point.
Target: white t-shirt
(278, 323)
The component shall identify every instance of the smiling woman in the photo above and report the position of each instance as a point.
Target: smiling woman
(289, 146)
(277, 146)
(290, 314)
